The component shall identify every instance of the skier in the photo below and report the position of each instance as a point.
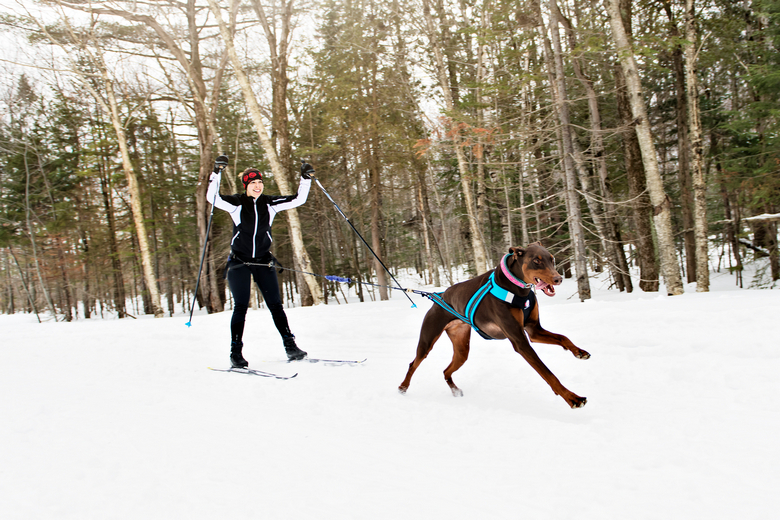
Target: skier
(252, 214)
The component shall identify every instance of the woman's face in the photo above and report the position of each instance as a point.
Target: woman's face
(255, 188)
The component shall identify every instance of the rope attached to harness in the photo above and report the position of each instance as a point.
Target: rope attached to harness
(331, 278)
(490, 287)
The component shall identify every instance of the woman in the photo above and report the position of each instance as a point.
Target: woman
(252, 214)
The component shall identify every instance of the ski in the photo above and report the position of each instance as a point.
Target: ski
(330, 362)
(253, 372)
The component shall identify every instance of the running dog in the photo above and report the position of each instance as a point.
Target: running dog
(498, 304)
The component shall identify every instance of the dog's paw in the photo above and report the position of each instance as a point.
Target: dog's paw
(402, 390)
(579, 402)
(582, 355)
(457, 392)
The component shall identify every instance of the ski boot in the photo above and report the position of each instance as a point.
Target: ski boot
(236, 359)
(293, 352)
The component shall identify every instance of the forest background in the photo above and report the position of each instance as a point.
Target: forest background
(625, 136)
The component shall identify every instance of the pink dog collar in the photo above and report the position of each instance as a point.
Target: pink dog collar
(513, 278)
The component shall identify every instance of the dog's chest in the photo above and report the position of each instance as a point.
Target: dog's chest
(526, 303)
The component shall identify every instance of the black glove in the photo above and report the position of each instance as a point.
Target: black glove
(220, 163)
(307, 170)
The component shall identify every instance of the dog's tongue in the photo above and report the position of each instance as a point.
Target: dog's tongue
(546, 288)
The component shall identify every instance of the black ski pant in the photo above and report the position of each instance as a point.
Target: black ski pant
(239, 276)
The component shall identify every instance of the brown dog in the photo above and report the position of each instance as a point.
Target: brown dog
(498, 318)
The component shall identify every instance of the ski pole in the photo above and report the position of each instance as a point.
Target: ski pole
(220, 164)
(361, 238)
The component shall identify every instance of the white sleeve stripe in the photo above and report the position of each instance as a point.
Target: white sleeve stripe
(213, 197)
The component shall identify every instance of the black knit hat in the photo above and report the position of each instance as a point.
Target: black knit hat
(249, 175)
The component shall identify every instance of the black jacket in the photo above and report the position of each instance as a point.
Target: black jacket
(252, 218)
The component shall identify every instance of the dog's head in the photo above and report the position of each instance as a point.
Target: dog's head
(537, 266)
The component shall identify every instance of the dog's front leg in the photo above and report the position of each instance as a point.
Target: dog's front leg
(538, 334)
(523, 347)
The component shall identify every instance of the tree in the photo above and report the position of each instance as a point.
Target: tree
(697, 159)
(101, 86)
(661, 202)
(204, 101)
(454, 133)
(603, 214)
(558, 84)
(279, 172)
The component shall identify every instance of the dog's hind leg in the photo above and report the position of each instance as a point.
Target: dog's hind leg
(432, 328)
(460, 335)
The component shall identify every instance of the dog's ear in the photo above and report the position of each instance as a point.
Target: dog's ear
(516, 251)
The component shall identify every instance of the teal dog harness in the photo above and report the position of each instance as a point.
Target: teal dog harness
(490, 287)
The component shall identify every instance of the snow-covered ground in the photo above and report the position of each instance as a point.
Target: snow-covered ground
(104, 419)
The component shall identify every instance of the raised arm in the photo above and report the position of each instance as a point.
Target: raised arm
(212, 194)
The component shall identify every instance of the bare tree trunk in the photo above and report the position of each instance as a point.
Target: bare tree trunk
(694, 120)
(376, 232)
(525, 153)
(374, 172)
(555, 65)
(135, 197)
(203, 108)
(446, 258)
(605, 218)
(481, 149)
(661, 203)
(732, 217)
(506, 213)
(477, 244)
(683, 148)
(278, 48)
(111, 107)
(31, 233)
(637, 191)
(116, 263)
(30, 299)
(425, 226)
(279, 172)
(88, 300)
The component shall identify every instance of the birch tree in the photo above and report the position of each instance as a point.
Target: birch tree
(662, 217)
(101, 87)
(604, 219)
(279, 171)
(558, 87)
(697, 152)
(278, 39)
(477, 243)
(683, 144)
(185, 48)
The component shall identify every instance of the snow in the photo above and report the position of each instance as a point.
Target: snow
(121, 418)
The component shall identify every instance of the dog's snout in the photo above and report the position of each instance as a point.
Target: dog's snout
(557, 279)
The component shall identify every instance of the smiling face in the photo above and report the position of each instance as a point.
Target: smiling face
(255, 188)
(538, 267)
